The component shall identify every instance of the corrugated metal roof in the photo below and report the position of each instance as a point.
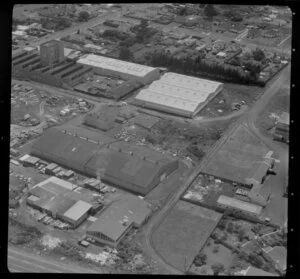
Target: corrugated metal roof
(120, 167)
(245, 206)
(115, 65)
(179, 91)
(77, 210)
(110, 221)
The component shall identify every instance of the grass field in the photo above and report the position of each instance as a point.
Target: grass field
(235, 159)
(182, 234)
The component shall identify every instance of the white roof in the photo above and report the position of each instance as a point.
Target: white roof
(24, 158)
(179, 91)
(245, 206)
(77, 210)
(93, 46)
(19, 33)
(22, 27)
(58, 181)
(115, 65)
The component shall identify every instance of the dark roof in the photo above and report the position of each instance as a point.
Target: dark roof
(110, 221)
(133, 167)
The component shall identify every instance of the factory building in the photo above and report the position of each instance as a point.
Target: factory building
(49, 66)
(56, 198)
(134, 168)
(51, 52)
(228, 203)
(117, 219)
(106, 66)
(178, 94)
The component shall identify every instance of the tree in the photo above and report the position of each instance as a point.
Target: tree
(210, 11)
(230, 227)
(83, 16)
(216, 249)
(125, 54)
(241, 234)
(200, 259)
(258, 54)
(222, 224)
(217, 268)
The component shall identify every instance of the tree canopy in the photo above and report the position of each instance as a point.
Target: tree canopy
(210, 11)
(83, 16)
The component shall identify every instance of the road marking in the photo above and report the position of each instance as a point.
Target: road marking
(32, 264)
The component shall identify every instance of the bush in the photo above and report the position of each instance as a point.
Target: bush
(216, 249)
(217, 268)
(200, 259)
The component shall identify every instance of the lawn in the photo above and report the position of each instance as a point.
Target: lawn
(236, 158)
(183, 233)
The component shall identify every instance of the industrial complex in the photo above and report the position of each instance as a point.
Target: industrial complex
(179, 94)
(137, 172)
(144, 139)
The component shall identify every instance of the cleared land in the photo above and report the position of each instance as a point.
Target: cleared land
(278, 104)
(235, 159)
(182, 234)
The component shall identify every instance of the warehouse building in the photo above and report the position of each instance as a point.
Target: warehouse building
(118, 68)
(228, 203)
(56, 198)
(179, 94)
(133, 168)
(118, 218)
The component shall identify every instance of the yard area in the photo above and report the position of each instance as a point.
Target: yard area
(206, 189)
(221, 104)
(278, 104)
(184, 231)
(237, 156)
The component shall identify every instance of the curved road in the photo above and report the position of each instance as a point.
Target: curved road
(247, 119)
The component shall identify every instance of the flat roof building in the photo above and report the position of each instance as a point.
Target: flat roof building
(108, 66)
(238, 205)
(55, 197)
(178, 94)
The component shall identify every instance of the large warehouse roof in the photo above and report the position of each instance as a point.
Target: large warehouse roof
(115, 65)
(110, 223)
(125, 165)
(179, 92)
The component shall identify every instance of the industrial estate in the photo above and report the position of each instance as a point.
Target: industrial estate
(149, 139)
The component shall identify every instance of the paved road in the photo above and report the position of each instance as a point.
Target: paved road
(247, 118)
(19, 260)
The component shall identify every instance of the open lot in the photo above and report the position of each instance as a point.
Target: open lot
(182, 234)
(207, 190)
(276, 106)
(237, 156)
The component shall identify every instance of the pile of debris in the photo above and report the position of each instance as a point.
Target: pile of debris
(50, 241)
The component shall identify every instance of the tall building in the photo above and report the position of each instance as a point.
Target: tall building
(51, 52)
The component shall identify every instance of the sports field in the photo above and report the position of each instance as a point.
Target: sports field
(183, 233)
(238, 155)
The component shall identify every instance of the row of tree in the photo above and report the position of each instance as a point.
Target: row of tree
(198, 67)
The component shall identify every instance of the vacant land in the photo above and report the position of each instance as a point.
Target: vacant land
(206, 189)
(221, 105)
(278, 104)
(182, 234)
(235, 159)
